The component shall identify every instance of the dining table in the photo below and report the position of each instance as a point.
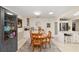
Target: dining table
(40, 36)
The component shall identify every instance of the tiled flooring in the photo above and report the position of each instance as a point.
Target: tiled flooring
(27, 48)
(73, 47)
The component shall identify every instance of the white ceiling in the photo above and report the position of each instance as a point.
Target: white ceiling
(27, 11)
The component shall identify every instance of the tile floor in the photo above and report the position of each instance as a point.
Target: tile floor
(55, 47)
(73, 47)
(27, 48)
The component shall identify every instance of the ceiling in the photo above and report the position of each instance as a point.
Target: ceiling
(27, 11)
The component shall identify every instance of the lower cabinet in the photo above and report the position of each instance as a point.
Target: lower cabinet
(75, 37)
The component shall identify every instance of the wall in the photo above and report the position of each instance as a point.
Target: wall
(59, 38)
(21, 39)
(35, 22)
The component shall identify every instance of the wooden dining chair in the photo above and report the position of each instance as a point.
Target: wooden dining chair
(31, 37)
(36, 43)
(44, 42)
(49, 38)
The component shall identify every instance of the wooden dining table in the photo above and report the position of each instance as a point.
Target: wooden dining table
(41, 37)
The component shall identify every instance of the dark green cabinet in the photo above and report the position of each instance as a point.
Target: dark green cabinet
(8, 31)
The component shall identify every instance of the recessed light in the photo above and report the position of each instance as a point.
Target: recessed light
(50, 13)
(9, 13)
(37, 13)
(76, 14)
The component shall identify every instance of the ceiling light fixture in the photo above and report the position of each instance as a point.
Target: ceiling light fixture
(37, 13)
(9, 13)
(51, 13)
(76, 14)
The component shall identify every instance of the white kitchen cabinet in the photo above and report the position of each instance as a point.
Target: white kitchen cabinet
(75, 37)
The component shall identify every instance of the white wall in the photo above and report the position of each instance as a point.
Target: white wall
(21, 39)
(35, 22)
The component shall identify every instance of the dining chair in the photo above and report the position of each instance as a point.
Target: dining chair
(44, 40)
(49, 39)
(31, 38)
(36, 43)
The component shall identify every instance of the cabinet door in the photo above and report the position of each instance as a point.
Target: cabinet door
(1, 28)
(74, 38)
(8, 30)
(77, 37)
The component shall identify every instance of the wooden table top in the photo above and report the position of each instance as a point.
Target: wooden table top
(39, 36)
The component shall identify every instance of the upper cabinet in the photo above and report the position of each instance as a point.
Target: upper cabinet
(68, 24)
(64, 24)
